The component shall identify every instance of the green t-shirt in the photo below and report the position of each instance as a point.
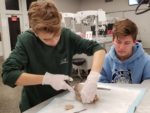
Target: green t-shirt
(31, 55)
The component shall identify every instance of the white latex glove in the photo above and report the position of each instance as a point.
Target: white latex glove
(89, 89)
(57, 81)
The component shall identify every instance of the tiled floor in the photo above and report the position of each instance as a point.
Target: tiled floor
(10, 97)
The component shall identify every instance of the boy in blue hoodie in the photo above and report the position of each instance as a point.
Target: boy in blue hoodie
(126, 62)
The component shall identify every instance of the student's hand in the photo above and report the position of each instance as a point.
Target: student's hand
(89, 89)
(57, 81)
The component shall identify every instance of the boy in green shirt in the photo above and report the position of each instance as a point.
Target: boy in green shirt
(42, 58)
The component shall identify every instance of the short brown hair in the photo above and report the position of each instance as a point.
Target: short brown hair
(124, 28)
(43, 15)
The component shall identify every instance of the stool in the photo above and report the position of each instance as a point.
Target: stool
(78, 62)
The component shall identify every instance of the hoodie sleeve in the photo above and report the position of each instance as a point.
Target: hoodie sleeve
(103, 77)
(106, 71)
(146, 72)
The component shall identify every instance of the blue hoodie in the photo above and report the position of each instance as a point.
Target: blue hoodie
(133, 70)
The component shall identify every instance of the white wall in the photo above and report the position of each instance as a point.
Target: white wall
(71, 6)
(143, 23)
(121, 8)
(68, 5)
(115, 5)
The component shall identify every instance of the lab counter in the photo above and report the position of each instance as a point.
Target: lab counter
(142, 107)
